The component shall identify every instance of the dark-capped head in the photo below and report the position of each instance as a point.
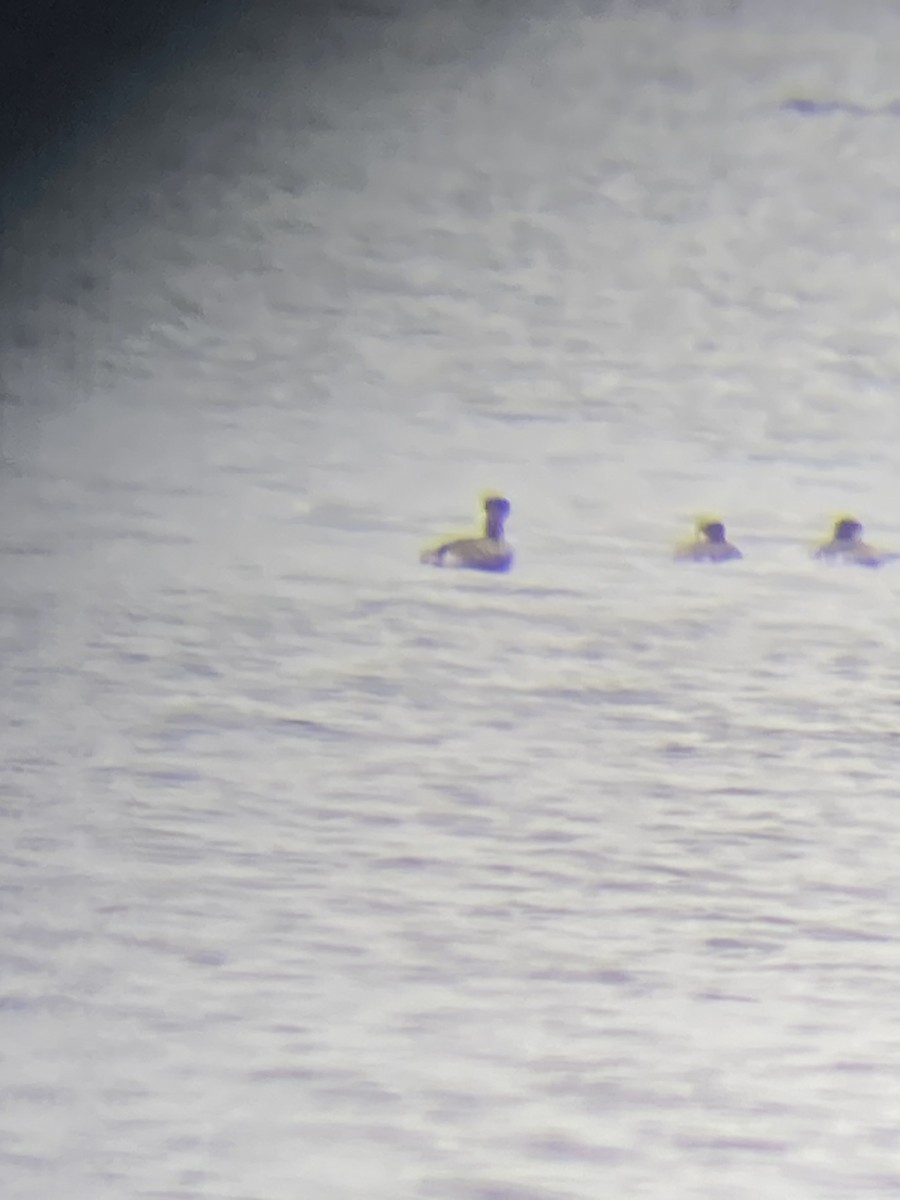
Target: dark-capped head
(847, 529)
(713, 531)
(497, 507)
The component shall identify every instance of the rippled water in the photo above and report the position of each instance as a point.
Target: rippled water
(328, 875)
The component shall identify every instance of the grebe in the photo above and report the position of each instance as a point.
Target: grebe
(846, 546)
(488, 553)
(710, 545)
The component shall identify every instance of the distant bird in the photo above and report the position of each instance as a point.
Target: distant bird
(710, 545)
(491, 552)
(846, 546)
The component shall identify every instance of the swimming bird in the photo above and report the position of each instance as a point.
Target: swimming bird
(846, 546)
(491, 552)
(710, 545)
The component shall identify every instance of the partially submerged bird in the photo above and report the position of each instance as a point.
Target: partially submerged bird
(710, 545)
(846, 546)
(491, 552)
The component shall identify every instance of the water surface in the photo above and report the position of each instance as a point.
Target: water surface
(330, 875)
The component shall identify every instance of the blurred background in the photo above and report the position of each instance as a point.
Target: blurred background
(328, 874)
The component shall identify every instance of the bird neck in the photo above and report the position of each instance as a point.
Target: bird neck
(493, 526)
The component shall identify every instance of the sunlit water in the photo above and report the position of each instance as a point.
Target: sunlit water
(328, 875)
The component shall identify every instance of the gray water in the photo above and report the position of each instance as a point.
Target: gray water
(328, 875)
